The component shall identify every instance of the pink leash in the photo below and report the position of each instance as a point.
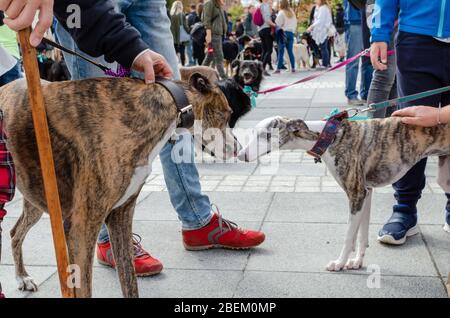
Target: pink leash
(316, 75)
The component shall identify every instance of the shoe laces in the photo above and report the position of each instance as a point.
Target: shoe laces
(138, 249)
(228, 224)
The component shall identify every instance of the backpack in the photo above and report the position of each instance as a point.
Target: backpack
(257, 17)
(198, 33)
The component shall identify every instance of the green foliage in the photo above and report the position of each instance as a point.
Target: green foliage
(236, 12)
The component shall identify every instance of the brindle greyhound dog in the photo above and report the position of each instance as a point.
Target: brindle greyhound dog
(364, 155)
(105, 134)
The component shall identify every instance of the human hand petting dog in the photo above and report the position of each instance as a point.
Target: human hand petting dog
(152, 65)
(424, 116)
(20, 14)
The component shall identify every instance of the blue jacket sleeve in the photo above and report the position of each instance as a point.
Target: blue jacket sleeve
(383, 20)
(103, 31)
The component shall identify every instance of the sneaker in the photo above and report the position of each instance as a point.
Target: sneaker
(277, 72)
(400, 226)
(265, 73)
(447, 222)
(221, 233)
(355, 102)
(144, 263)
(293, 71)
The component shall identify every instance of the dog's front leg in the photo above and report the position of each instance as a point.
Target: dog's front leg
(349, 243)
(363, 235)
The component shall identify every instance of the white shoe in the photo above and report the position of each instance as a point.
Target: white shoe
(447, 228)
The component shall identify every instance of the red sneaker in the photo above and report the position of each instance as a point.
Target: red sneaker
(221, 233)
(144, 263)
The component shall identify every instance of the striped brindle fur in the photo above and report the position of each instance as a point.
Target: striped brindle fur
(105, 133)
(364, 155)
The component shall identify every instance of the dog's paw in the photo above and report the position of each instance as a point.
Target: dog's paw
(354, 263)
(335, 266)
(26, 283)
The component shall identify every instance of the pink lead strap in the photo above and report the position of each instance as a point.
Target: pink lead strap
(316, 75)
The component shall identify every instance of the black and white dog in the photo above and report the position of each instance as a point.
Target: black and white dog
(246, 73)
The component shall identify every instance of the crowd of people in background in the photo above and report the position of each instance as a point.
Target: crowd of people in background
(273, 25)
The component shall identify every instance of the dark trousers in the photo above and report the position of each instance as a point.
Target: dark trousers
(325, 54)
(267, 46)
(423, 63)
(180, 49)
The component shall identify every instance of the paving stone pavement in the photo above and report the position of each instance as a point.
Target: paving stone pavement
(300, 208)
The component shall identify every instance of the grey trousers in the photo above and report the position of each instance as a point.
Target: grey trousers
(384, 86)
(217, 56)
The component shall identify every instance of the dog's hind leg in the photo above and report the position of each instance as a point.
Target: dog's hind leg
(363, 234)
(119, 223)
(29, 217)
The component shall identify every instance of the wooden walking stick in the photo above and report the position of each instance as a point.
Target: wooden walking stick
(46, 159)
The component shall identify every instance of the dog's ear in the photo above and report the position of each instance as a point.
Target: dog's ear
(200, 83)
(235, 63)
(260, 68)
(295, 125)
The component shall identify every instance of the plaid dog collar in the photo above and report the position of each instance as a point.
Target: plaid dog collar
(327, 136)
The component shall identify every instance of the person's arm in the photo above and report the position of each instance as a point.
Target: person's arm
(103, 31)
(280, 20)
(383, 20)
(208, 9)
(424, 116)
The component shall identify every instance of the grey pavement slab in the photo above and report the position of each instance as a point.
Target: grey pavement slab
(237, 206)
(276, 284)
(170, 283)
(333, 208)
(437, 241)
(309, 248)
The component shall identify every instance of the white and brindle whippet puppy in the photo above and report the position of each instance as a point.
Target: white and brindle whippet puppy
(105, 133)
(363, 155)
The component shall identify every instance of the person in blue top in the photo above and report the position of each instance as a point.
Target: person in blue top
(423, 63)
(354, 41)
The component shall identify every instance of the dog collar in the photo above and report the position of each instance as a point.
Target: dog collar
(251, 94)
(327, 136)
(184, 108)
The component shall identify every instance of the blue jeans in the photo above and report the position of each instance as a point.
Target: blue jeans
(190, 53)
(11, 75)
(289, 45)
(150, 18)
(324, 51)
(421, 66)
(353, 38)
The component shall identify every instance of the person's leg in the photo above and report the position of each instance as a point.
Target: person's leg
(325, 54)
(420, 67)
(354, 46)
(218, 55)
(182, 49)
(280, 63)
(182, 181)
(190, 53)
(266, 40)
(290, 48)
(366, 65)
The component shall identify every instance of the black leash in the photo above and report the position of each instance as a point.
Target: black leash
(185, 114)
